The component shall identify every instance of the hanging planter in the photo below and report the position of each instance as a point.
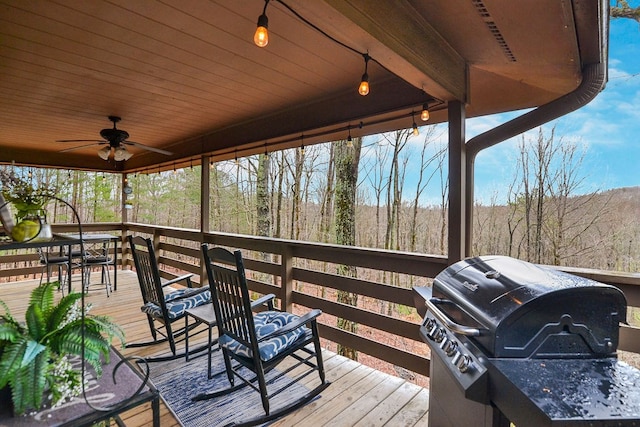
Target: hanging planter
(29, 201)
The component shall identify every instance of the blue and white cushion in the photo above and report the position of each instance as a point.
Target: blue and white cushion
(267, 322)
(179, 301)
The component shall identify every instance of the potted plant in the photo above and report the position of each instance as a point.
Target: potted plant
(34, 355)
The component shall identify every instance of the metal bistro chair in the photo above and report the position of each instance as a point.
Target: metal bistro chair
(260, 341)
(97, 257)
(49, 261)
(162, 307)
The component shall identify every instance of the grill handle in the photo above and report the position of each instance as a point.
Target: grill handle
(451, 325)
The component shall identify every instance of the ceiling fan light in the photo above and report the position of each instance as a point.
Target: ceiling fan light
(104, 152)
(121, 154)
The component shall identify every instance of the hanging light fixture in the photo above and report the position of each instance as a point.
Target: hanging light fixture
(364, 83)
(302, 145)
(261, 36)
(104, 152)
(416, 132)
(349, 139)
(424, 115)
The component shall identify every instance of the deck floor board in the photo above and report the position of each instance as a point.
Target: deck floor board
(358, 394)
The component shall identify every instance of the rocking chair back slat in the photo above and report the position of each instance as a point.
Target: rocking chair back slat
(237, 320)
(147, 268)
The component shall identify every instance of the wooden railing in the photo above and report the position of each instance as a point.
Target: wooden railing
(302, 274)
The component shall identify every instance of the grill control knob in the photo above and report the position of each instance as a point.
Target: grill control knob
(439, 335)
(450, 347)
(444, 343)
(464, 363)
(429, 323)
(432, 331)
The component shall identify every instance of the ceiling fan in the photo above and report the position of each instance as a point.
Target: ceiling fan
(116, 140)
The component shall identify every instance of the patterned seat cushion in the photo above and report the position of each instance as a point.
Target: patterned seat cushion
(179, 301)
(266, 323)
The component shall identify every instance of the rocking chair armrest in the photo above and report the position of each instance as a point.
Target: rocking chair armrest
(265, 299)
(301, 321)
(186, 277)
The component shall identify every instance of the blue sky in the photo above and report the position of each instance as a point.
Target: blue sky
(607, 131)
(608, 127)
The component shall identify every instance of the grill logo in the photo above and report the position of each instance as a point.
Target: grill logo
(471, 286)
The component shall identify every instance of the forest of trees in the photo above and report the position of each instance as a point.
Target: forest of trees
(400, 200)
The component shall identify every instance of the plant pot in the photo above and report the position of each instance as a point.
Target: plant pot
(26, 229)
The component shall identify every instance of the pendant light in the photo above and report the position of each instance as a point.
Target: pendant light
(416, 132)
(363, 89)
(424, 115)
(261, 36)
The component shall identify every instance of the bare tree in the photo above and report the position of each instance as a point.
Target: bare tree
(622, 9)
(347, 159)
(397, 140)
(263, 217)
(423, 182)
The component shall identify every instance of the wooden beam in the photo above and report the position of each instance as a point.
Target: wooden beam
(405, 35)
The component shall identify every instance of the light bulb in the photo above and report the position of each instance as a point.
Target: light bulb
(261, 36)
(416, 132)
(424, 116)
(364, 85)
(363, 89)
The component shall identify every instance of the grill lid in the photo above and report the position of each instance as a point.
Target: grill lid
(523, 309)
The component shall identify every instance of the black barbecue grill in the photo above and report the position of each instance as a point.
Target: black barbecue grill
(514, 342)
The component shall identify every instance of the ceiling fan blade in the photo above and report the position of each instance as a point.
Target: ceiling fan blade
(80, 140)
(77, 147)
(146, 147)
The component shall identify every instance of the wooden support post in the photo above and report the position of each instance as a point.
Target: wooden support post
(205, 194)
(457, 171)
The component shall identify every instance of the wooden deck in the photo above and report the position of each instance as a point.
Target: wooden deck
(358, 395)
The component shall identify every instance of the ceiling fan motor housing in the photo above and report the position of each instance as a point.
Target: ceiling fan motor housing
(114, 136)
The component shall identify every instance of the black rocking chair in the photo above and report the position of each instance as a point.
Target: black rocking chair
(163, 304)
(259, 341)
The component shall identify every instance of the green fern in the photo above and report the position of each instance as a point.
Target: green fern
(26, 353)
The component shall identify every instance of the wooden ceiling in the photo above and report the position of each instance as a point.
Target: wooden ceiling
(185, 76)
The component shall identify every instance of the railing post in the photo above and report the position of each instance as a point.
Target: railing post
(205, 194)
(286, 279)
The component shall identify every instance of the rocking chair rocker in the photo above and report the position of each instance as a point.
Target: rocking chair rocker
(259, 341)
(163, 304)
